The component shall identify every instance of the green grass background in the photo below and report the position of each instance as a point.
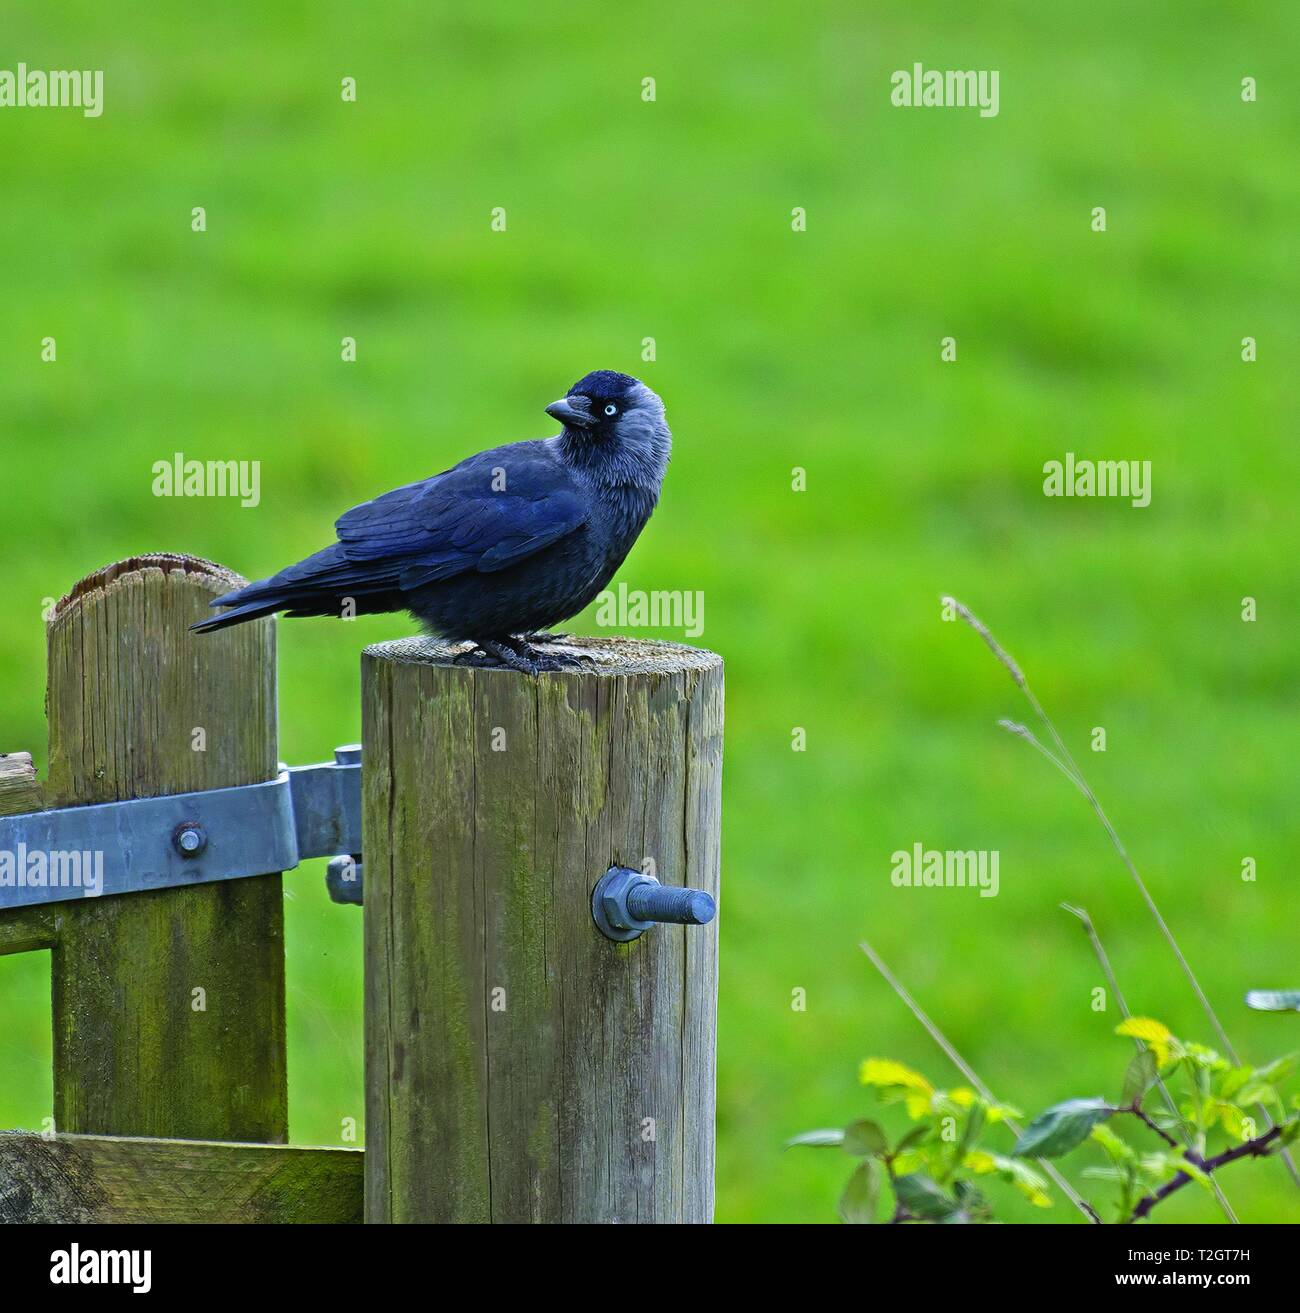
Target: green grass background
(775, 349)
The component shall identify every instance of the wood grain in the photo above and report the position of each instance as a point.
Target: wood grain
(134, 1053)
(19, 789)
(519, 1066)
(92, 1178)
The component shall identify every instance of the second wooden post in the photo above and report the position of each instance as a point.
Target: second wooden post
(520, 1066)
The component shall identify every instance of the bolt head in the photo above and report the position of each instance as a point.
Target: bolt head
(190, 839)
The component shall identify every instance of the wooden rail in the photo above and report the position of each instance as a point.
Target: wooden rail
(104, 1178)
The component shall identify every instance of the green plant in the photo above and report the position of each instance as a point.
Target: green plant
(932, 1168)
(1064, 761)
(1213, 1095)
(936, 1169)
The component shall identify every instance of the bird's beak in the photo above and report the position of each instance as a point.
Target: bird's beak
(573, 412)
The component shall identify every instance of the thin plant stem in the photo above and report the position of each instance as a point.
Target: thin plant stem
(964, 1067)
(1066, 760)
(1103, 958)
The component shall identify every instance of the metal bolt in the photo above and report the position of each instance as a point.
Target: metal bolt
(190, 839)
(626, 903)
(348, 755)
(343, 879)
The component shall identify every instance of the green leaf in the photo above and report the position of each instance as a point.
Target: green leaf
(817, 1139)
(910, 1160)
(1277, 1071)
(896, 1081)
(923, 1197)
(1205, 1058)
(1139, 1078)
(864, 1139)
(1231, 1117)
(1061, 1128)
(1233, 1080)
(999, 1112)
(1118, 1150)
(973, 1206)
(970, 1132)
(1274, 1000)
(1157, 1167)
(1024, 1178)
(1258, 1092)
(858, 1202)
(1149, 1031)
(1103, 1174)
(912, 1136)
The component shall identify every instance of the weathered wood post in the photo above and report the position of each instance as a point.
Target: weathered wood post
(169, 1004)
(520, 1066)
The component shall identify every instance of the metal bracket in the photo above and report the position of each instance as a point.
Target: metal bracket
(183, 838)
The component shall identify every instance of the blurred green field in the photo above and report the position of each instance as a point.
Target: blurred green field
(775, 350)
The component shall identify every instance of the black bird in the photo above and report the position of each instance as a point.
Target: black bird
(500, 547)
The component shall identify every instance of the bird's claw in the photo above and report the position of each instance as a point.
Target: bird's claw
(519, 654)
(562, 661)
(477, 658)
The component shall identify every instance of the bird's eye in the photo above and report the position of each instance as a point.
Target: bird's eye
(611, 409)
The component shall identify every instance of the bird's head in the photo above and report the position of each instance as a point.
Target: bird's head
(614, 421)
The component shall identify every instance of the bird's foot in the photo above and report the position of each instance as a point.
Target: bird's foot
(562, 661)
(487, 655)
(548, 659)
(479, 657)
(544, 659)
(517, 653)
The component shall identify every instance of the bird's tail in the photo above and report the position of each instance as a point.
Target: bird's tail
(316, 586)
(249, 611)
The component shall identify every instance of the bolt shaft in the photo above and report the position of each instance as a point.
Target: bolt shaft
(657, 902)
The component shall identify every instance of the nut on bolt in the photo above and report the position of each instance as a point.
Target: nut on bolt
(626, 903)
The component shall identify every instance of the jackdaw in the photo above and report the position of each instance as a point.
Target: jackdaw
(500, 547)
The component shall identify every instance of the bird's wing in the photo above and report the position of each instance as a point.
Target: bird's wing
(487, 513)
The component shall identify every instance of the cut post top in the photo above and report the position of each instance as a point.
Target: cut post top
(217, 578)
(608, 654)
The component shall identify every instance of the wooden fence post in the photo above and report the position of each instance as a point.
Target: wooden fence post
(519, 1066)
(168, 1005)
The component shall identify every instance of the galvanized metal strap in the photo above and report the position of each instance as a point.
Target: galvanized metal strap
(182, 838)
